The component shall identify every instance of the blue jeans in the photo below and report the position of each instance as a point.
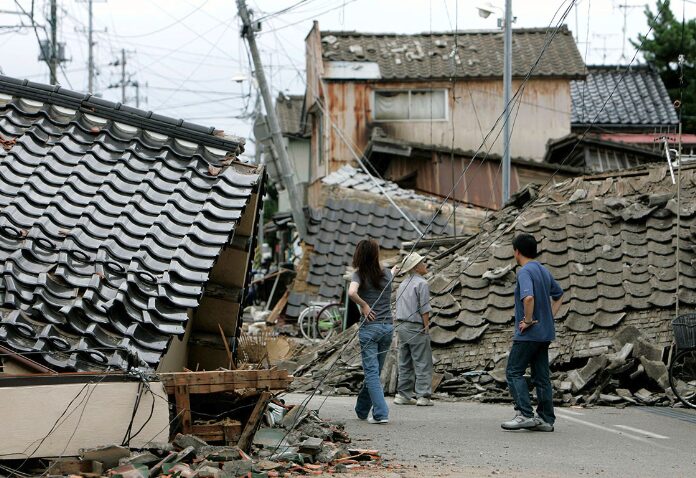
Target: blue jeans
(535, 354)
(375, 340)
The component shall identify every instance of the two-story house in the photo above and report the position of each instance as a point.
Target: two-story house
(419, 106)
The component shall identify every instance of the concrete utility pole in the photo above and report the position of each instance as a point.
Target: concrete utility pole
(123, 76)
(90, 58)
(507, 86)
(53, 60)
(278, 141)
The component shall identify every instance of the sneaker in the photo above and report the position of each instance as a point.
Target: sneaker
(520, 422)
(401, 400)
(424, 402)
(542, 426)
(381, 421)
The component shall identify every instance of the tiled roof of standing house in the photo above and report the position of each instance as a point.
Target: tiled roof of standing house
(479, 54)
(640, 98)
(111, 219)
(611, 243)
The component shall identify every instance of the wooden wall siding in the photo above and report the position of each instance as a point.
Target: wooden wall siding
(543, 115)
(480, 185)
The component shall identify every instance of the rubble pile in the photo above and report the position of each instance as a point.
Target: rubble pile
(627, 369)
(335, 367)
(293, 440)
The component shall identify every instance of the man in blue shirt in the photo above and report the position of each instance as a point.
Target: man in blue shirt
(537, 300)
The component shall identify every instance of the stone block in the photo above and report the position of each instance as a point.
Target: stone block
(580, 378)
(183, 441)
(657, 371)
(643, 347)
(109, 455)
(627, 335)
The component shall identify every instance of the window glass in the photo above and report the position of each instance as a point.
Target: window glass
(391, 105)
(428, 104)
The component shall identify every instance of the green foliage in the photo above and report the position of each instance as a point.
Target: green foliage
(661, 50)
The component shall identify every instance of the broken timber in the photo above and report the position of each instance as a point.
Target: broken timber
(182, 384)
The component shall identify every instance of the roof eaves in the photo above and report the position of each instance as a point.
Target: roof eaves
(87, 103)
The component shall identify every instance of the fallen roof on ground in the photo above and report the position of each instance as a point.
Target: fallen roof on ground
(610, 241)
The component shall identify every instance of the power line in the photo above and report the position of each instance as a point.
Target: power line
(178, 21)
(308, 18)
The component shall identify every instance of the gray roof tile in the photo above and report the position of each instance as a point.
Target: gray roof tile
(479, 54)
(612, 266)
(639, 98)
(107, 233)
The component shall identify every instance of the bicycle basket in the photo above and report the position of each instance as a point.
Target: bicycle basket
(684, 328)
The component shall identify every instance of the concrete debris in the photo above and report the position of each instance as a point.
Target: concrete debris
(621, 371)
(306, 445)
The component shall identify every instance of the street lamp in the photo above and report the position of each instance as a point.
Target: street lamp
(485, 10)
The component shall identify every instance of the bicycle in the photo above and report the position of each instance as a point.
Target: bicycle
(682, 368)
(321, 320)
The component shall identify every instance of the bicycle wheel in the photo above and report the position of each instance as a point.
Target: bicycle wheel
(329, 320)
(682, 377)
(307, 322)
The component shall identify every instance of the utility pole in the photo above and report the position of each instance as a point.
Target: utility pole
(123, 76)
(53, 60)
(625, 8)
(507, 87)
(136, 85)
(278, 142)
(90, 59)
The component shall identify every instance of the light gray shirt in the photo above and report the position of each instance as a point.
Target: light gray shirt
(413, 299)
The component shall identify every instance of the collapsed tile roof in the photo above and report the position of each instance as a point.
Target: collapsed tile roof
(349, 177)
(351, 214)
(610, 241)
(479, 54)
(638, 98)
(111, 219)
(289, 111)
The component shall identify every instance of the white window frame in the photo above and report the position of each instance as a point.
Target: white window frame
(409, 91)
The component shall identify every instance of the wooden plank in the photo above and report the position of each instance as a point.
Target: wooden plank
(227, 347)
(229, 387)
(246, 377)
(209, 432)
(253, 422)
(183, 407)
(278, 308)
(233, 431)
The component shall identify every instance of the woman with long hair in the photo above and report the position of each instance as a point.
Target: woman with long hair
(370, 288)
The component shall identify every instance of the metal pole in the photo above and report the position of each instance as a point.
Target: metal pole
(285, 166)
(90, 58)
(136, 85)
(123, 76)
(507, 87)
(53, 64)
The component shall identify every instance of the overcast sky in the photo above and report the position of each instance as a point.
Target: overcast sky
(189, 53)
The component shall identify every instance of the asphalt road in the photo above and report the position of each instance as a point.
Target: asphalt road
(465, 439)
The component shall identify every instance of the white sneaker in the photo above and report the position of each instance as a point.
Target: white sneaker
(401, 400)
(424, 402)
(520, 422)
(381, 421)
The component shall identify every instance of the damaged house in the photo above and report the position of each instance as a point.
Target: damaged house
(622, 246)
(125, 242)
(419, 106)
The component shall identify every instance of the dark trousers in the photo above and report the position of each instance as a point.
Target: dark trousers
(536, 355)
